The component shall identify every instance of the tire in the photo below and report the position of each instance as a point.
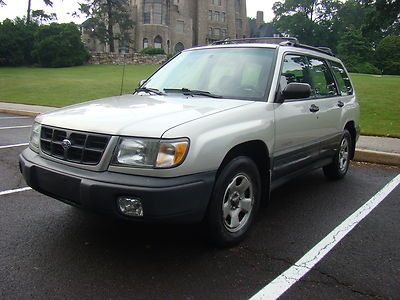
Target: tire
(234, 202)
(341, 162)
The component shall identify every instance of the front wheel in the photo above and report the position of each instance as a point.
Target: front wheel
(234, 202)
(341, 162)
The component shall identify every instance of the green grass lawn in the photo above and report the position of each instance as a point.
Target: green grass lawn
(379, 99)
(379, 96)
(64, 86)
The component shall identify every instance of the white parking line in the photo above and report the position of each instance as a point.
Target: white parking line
(15, 191)
(3, 118)
(15, 127)
(283, 282)
(13, 146)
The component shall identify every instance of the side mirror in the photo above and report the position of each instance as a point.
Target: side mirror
(142, 82)
(296, 91)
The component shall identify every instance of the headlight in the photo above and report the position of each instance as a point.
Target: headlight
(150, 153)
(34, 140)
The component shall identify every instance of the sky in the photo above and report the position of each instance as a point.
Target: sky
(64, 8)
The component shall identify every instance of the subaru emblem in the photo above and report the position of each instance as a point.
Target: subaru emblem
(66, 144)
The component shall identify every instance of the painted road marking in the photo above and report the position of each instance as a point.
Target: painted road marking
(3, 118)
(13, 146)
(15, 127)
(283, 282)
(15, 191)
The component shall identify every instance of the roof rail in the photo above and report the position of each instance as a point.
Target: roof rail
(324, 50)
(269, 40)
(281, 41)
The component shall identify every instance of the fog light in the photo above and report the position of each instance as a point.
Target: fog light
(130, 206)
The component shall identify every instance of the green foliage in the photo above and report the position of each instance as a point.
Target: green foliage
(153, 51)
(354, 50)
(311, 21)
(40, 16)
(366, 68)
(103, 16)
(388, 55)
(59, 45)
(16, 40)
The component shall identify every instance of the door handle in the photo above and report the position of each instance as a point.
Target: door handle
(340, 104)
(314, 108)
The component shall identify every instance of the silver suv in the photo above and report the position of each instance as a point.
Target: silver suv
(204, 139)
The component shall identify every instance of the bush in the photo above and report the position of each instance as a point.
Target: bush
(59, 45)
(153, 51)
(366, 68)
(16, 40)
(388, 55)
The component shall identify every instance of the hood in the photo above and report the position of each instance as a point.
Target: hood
(136, 115)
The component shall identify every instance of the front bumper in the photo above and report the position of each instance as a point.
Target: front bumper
(180, 199)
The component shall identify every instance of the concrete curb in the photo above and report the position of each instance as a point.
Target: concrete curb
(19, 112)
(361, 155)
(376, 157)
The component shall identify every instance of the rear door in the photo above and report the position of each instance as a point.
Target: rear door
(328, 103)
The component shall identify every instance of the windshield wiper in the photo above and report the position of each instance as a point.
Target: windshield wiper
(188, 92)
(149, 91)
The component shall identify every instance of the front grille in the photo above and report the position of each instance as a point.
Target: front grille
(73, 146)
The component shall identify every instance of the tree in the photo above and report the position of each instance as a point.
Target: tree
(104, 17)
(311, 21)
(28, 13)
(2, 3)
(386, 13)
(39, 16)
(59, 45)
(388, 55)
(356, 51)
(16, 40)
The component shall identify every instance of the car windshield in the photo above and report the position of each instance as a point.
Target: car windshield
(235, 73)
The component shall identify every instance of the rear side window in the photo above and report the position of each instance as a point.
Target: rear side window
(323, 84)
(295, 69)
(342, 79)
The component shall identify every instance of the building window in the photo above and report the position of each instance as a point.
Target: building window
(210, 31)
(158, 42)
(156, 12)
(217, 16)
(219, 2)
(224, 33)
(237, 5)
(210, 15)
(223, 17)
(217, 32)
(179, 47)
(239, 24)
(180, 26)
(145, 43)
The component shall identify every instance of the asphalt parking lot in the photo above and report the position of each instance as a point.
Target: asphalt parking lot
(51, 250)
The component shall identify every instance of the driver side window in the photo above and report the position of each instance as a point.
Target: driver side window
(295, 69)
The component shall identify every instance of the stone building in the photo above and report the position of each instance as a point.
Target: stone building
(174, 25)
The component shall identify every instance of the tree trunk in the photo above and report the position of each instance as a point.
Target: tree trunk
(28, 13)
(110, 30)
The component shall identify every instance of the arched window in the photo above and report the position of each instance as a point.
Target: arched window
(179, 47)
(145, 43)
(156, 12)
(158, 42)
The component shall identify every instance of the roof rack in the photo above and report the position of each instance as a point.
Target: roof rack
(269, 40)
(281, 41)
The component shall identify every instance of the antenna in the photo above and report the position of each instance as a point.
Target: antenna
(123, 73)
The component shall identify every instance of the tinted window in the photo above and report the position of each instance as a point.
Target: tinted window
(295, 69)
(342, 78)
(323, 84)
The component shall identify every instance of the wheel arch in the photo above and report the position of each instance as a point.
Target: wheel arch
(351, 127)
(258, 151)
